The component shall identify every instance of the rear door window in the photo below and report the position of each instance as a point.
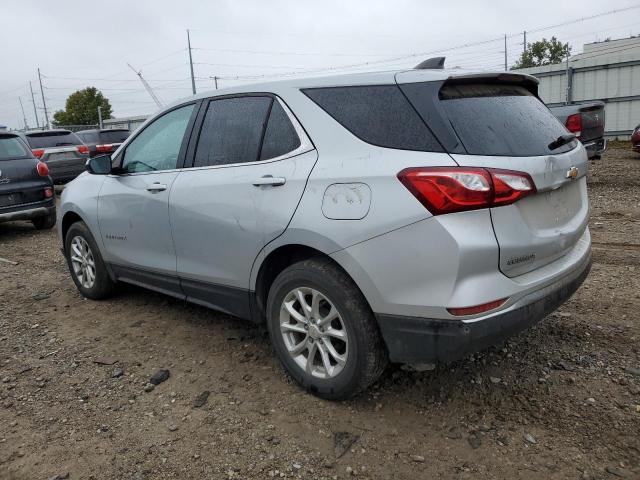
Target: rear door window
(232, 131)
(53, 139)
(280, 137)
(377, 114)
(12, 147)
(501, 120)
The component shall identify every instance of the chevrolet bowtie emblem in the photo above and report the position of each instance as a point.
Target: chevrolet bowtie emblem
(572, 173)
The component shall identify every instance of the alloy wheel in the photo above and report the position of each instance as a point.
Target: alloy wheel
(82, 261)
(314, 332)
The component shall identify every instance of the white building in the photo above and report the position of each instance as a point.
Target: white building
(607, 71)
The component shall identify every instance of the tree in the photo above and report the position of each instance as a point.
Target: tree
(543, 52)
(82, 108)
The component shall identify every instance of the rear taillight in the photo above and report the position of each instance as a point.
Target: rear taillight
(43, 169)
(38, 152)
(48, 192)
(485, 307)
(455, 189)
(574, 124)
(83, 149)
(106, 148)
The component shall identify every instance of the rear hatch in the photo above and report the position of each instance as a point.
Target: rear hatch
(592, 122)
(498, 122)
(57, 146)
(20, 182)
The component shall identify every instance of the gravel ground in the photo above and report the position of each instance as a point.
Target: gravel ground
(562, 400)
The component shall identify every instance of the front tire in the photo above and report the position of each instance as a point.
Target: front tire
(86, 266)
(323, 330)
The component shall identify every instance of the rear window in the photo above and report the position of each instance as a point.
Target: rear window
(115, 136)
(53, 139)
(377, 114)
(502, 120)
(12, 147)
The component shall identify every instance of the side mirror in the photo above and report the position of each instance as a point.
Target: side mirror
(100, 165)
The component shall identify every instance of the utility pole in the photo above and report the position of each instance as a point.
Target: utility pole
(44, 102)
(100, 117)
(569, 75)
(505, 52)
(215, 81)
(35, 110)
(193, 80)
(24, 117)
(524, 43)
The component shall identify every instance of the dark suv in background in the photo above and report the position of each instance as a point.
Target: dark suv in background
(62, 151)
(104, 140)
(26, 189)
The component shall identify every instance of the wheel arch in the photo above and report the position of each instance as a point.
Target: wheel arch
(274, 262)
(68, 219)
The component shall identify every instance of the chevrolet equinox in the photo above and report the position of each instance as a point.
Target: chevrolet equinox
(409, 216)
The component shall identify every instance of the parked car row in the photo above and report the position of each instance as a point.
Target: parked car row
(65, 153)
(32, 162)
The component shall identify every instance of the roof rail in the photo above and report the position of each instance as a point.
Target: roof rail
(435, 63)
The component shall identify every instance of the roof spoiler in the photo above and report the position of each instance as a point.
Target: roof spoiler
(435, 63)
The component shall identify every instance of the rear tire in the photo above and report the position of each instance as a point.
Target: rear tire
(338, 330)
(44, 223)
(86, 266)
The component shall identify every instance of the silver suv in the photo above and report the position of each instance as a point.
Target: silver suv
(412, 216)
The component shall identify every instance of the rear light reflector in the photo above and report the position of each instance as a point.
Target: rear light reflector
(574, 124)
(48, 192)
(104, 148)
(485, 307)
(83, 149)
(43, 169)
(456, 189)
(38, 152)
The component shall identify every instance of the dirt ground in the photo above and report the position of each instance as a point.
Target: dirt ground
(562, 400)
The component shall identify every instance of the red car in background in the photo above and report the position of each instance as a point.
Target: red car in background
(635, 139)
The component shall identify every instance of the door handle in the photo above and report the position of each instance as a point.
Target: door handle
(156, 187)
(270, 180)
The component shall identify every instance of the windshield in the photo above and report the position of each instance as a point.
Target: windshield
(501, 120)
(53, 139)
(12, 147)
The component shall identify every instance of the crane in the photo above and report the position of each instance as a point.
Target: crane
(147, 87)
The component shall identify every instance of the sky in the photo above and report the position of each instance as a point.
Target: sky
(81, 43)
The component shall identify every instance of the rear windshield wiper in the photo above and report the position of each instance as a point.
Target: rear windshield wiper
(562, 140)
(64, 144)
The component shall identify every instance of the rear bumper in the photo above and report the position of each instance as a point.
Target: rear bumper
(28, 212)
(595, 148)
(66, 172)
(418, 340)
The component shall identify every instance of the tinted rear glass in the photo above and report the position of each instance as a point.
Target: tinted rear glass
(52, 139)
(232, 130)
(12, 147)
(377, 114)
(280, 137)
(116, 136)
(503, 120)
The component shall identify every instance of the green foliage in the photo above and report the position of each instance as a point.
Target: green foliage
(543, 52)
(82, 108)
